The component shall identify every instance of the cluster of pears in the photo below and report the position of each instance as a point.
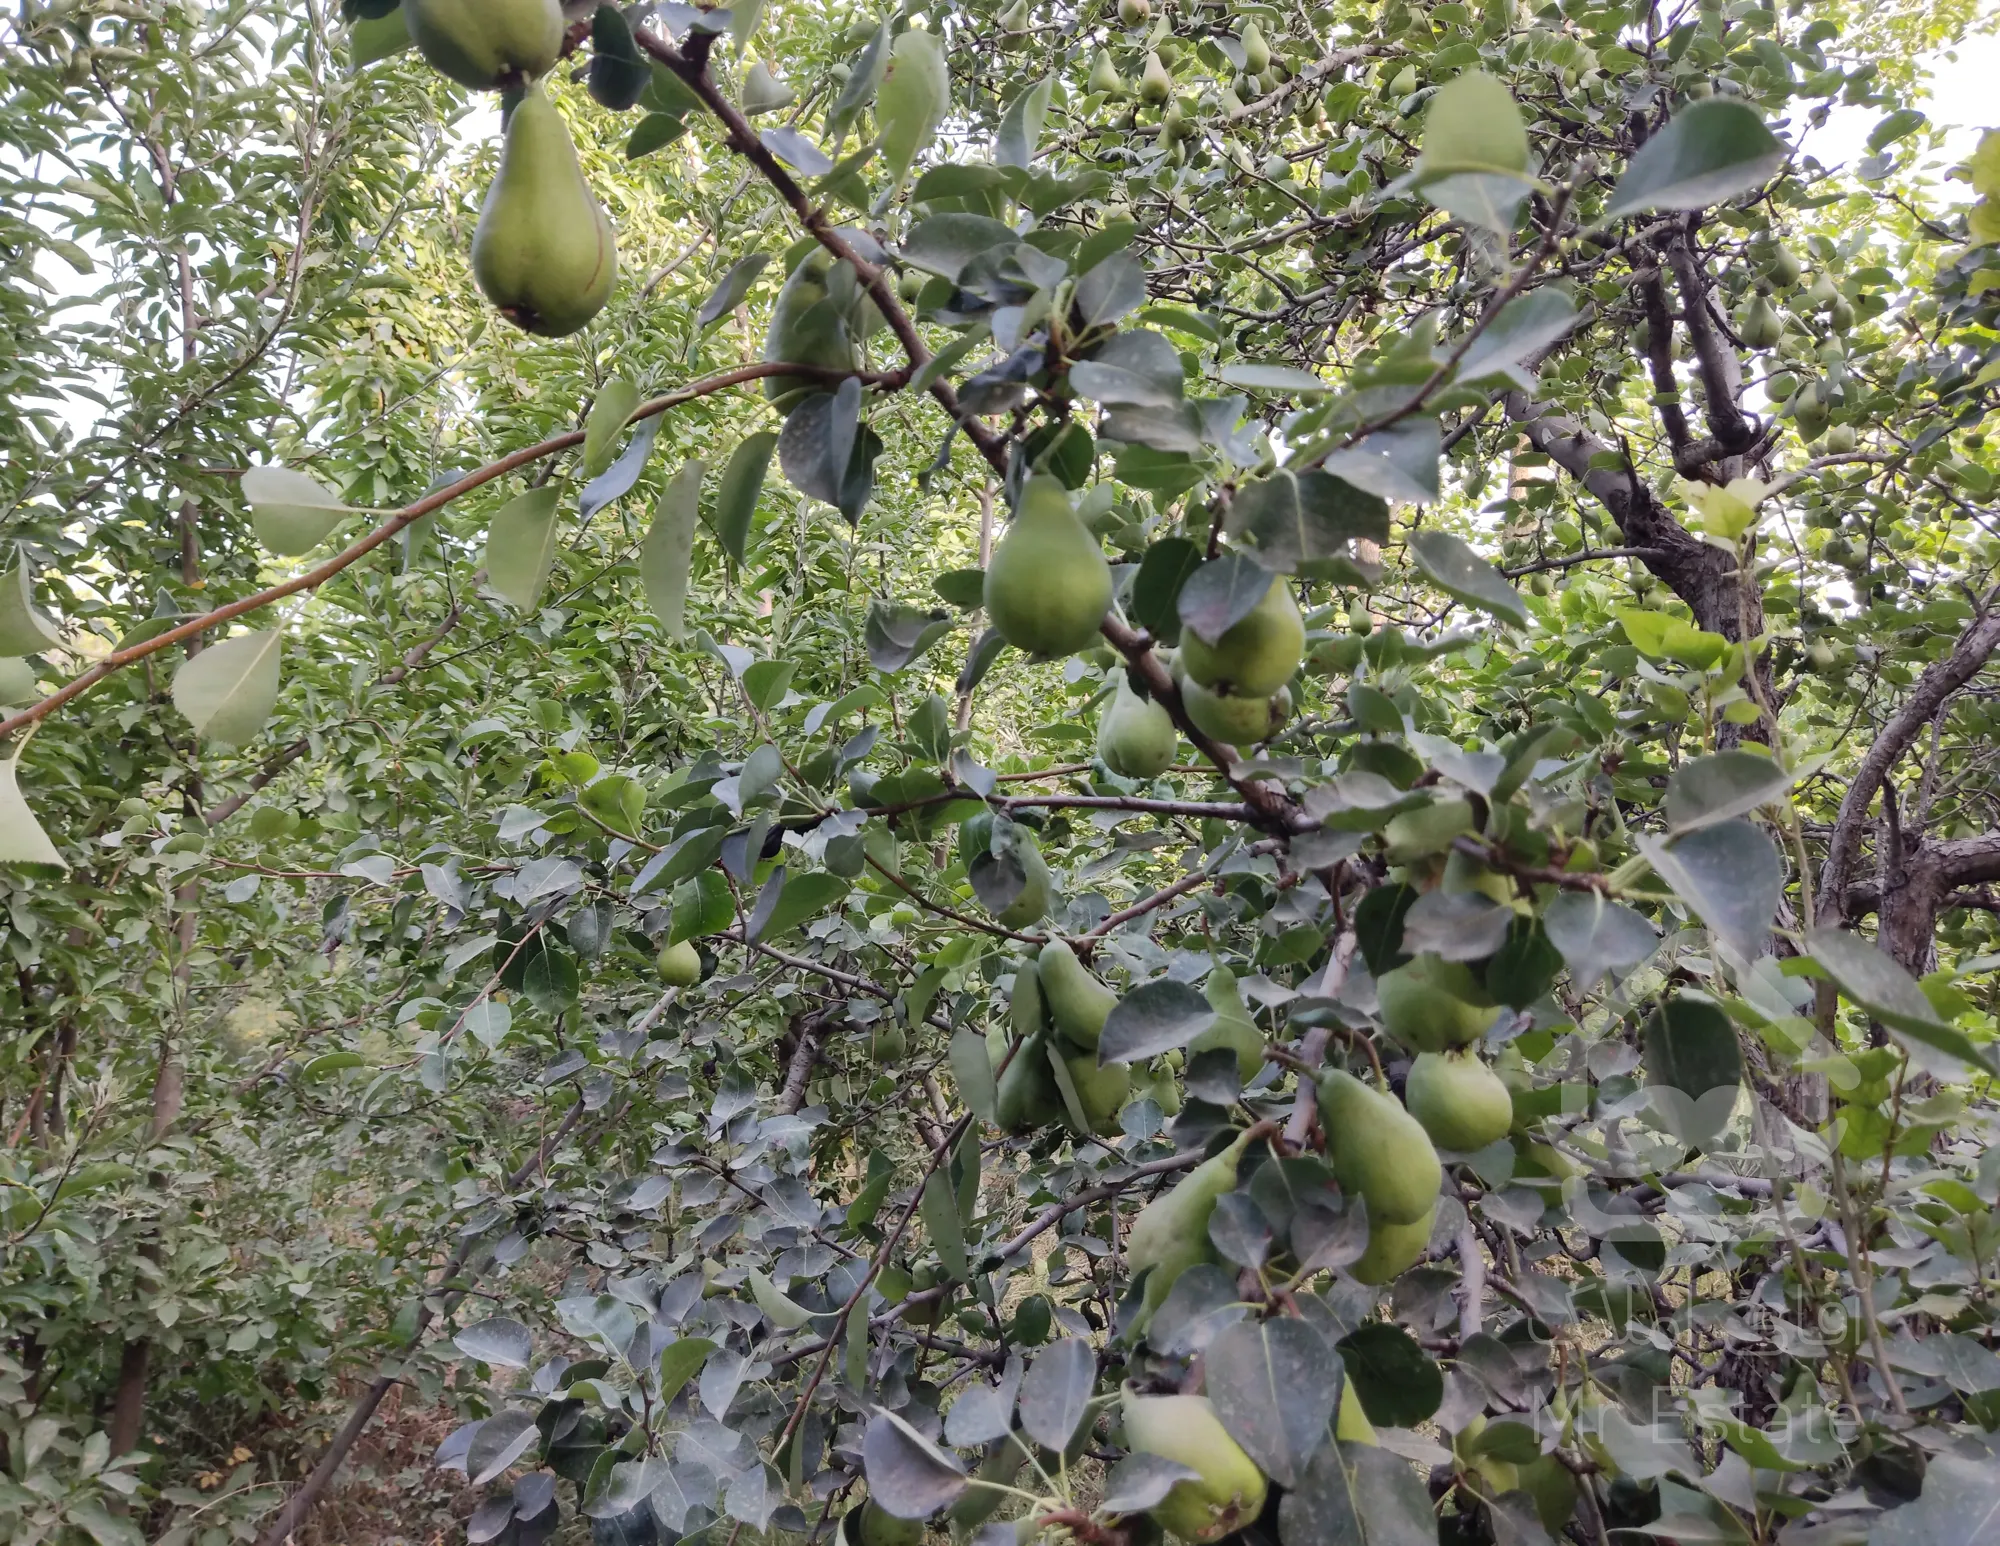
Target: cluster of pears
(544, 252)
(1057, 1012)
(1235, 687)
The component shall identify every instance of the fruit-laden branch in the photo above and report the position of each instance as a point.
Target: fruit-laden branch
(1938, 682)
(1270, 807)
(319, 574)
(692, 71)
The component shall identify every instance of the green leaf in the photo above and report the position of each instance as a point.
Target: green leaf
(972, 1071)
(1222, 592)
(1878, 984)
(1730, 874)
(1398, 1384)
(17, 680)
(228, 690)
(1712, 150)
(1156, 589)
(911, 102)
(1662, 636)
(668, 549)
(702, 906)
(1473, 125)
(1399, 464)
(731, 288)
(1275, 1385)
(680, 1362)
(1293, 519)
(896, 634)
(22, 840)
(1722, 786)
(1462, 574)
(742, 484)
(1154, 1017)
(291, 512)
(804, 897)
(1691, 1045)
(521, 546)
(938, 1208)
(1596, 936)
(1288, 380)
(609, 415)
(961, 588)
(23, 630)
(1021, 126)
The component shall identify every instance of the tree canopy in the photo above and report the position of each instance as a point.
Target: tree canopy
(1033, 772)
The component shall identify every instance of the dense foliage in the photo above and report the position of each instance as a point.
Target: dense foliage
(1226, 770)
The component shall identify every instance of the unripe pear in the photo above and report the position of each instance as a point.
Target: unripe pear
(873, 1525)
(1840, 439)
(1392, 1250)
(1352, 1425)
(544, 251)
(1431, 1005)
(1028, 1099)
(1155, 85)
(1132, 12)
(887, 1042)
(1101, 1089)
(1170, 1234)
(487, 44)
(1104, 77)
(1379, 1150)
(1047, 585)
(680, 965)
(1459, 1100)
(1229, 1492)
(805, 330)
(1257, 655)
(1760, 325)
(1135, 736)
(1233, 719)
(1785, 268)
(1233, 1027)
(1078, 1003)
(1256, 52)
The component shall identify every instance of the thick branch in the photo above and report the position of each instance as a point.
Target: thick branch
(1939, 681)
(1721, 371)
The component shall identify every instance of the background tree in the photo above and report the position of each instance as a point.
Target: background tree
(698, 942)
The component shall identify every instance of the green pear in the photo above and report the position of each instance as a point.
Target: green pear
(1461, 1102)
(487, 44)
(1000, 1464)
(876, 1526)
(1047, 585)
(1155, 84)
(1135, 736)
(1432, 1005)
(1170, 1233)
(1232, 719)
(1257, 654)
(1352, 1425)
(1229, 1490)
(807, 328)
(1379, 1150)
(1101, 1089)
(1133, 12)
(1233, 1027)
(680, 965)
(544, 251)
(1026, 1012)
(1256, 52)
(1392, 1250)
(1078, 1003)
(1028, 1099)
(1104, 77)
(1760, 325)
(887, 1042)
